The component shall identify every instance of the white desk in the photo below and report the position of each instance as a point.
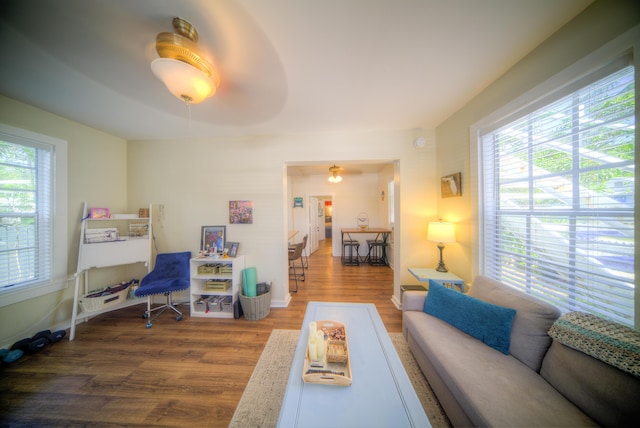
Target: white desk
(381, 394)
(447, 279)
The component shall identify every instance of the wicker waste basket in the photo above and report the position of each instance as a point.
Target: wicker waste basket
(256, 308)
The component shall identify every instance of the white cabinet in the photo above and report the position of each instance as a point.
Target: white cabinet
(104, 242)
(215, 284)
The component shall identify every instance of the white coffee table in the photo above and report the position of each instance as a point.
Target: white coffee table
(381, 394)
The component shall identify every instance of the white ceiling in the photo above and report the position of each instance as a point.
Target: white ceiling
(287, 66)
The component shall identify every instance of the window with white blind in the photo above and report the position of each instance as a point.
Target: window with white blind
(558, 186)
(27, 211)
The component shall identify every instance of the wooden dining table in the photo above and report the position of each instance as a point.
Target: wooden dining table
(382, 235)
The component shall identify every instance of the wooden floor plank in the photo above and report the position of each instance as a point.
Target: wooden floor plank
(187, 373)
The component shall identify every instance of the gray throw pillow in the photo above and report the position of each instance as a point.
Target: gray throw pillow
(534, 317)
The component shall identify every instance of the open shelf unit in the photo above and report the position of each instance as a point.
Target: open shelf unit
(206, 273)
(95, 255)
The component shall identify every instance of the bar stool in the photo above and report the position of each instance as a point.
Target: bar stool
(350, 253)
(377, 255)
(296, 254)
(305, 255)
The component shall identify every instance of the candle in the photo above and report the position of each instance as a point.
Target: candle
(320, 344)
(313, 327)
(313, 353)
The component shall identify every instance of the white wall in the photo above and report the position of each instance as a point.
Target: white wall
(594, 27)
(353, 195)
(195, 180)
(382, 206)
(96, 174)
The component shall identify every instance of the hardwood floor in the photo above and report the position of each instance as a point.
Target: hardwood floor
(187, 373)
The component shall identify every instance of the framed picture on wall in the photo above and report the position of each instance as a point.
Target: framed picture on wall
(213, 236)
(450, 185)
(241, 212)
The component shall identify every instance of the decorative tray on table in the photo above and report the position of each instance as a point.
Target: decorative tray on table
(327, 359)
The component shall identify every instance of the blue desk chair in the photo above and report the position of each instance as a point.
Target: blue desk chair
(171, 273)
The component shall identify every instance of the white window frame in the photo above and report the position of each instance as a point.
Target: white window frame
(559, 85)
(59, 241)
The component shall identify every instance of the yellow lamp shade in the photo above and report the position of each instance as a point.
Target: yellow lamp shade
(441, 231)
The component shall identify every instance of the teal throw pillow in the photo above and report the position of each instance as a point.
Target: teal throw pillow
(485, 321)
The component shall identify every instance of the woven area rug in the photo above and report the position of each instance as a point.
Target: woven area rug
(262, 398)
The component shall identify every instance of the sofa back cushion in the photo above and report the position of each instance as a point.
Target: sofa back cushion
(485, 321)
(534, 317)
(605, 393)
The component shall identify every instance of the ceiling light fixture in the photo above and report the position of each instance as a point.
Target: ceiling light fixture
(185, 72)
(335, 178)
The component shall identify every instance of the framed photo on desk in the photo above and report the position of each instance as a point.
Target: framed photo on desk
(213, 236)
(232, 248)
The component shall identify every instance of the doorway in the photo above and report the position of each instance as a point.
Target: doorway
(365, 188)
(328, 213)
(319, 220)
(314, 225)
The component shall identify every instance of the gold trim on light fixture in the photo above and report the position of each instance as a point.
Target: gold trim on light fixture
(335, 178)
(185, 72)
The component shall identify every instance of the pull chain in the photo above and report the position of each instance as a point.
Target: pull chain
(187, 101)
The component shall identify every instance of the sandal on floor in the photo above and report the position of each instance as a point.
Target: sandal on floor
(38, 344)
(30, 345)
(41, 334)
(23, 344)
(56, 336)
(9, 357)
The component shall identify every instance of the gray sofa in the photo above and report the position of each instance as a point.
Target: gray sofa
(540, 382)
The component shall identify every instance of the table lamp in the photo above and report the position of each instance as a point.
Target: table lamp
(441, 232)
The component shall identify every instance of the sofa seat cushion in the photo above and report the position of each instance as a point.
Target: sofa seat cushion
(492, 388)
(534, 317)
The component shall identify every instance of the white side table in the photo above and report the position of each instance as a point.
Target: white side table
(447, 279)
